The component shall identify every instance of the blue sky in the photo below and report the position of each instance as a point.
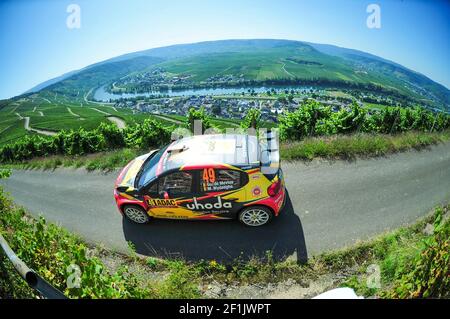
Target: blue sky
(36, 45)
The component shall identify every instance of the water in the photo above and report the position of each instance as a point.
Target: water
(102, 95)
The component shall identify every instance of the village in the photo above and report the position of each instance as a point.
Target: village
(233, 106)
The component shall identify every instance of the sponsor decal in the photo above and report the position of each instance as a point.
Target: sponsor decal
(162, 202)
(206, 206)
(279, 200)
(256, 176)
(171, 216)
(256, 191)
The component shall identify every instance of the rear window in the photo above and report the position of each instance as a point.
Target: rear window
(219, 180)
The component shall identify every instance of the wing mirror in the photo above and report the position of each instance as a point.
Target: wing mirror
(122, 189)
(165, 194)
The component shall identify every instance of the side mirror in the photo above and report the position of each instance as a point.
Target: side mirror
(165, 194)
(122, 189)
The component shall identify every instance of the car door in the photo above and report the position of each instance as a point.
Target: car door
(164, 196)
(220, 193)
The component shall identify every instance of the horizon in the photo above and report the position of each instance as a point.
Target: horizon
(30, 62)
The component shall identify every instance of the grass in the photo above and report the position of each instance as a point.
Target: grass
(399, 257)
(375, 106)
(394, 253)
(104, 161)
(359, 145)
(49, 249)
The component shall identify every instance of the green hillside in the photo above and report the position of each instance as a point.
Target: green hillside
(254, 62)
(77, 86)
(67, 102)
(56, 115)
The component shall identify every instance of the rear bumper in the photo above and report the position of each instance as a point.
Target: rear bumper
(280, 202)
(284, 201)
(275, 203)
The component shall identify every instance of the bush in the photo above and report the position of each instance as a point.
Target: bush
(428, 276)
(5, 173)
(57, 256)
(315, 119)
(252, 119)
(113, 136)
(350, 121)
(149, 133)
(79, 142)
(201, 115)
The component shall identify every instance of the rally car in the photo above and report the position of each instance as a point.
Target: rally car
(223, 176)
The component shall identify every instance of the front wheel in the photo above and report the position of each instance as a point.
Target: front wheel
(136, 214)
(255, 216)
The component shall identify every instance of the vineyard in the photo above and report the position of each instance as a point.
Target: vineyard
(314, 119)
(310, 120)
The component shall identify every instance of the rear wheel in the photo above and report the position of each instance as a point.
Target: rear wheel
(136, 214)
(255, 216)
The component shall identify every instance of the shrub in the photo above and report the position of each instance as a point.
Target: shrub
(112, 135)
(61, 257)
(201, 115)
(299, 124)
(252, 119)
(314, 119)
(350, 121)
(428, 276)
(149, 133)
(79, 142)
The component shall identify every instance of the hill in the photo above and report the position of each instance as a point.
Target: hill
(254, 62)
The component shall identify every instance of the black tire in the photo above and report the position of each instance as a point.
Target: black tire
(255, 216)
(136, 214)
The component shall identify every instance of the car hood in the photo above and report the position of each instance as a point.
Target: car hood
(128, 174)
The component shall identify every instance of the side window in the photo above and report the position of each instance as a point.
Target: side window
(153, 189)
(179, 183)
(218, 180)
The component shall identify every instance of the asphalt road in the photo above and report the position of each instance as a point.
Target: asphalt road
(331, 205)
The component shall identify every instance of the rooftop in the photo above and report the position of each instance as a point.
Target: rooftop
(230, 149)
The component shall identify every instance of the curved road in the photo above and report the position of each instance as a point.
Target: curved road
(29, 128)
(330, 205)
(116, 120)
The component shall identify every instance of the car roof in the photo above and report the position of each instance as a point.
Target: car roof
(214, 149)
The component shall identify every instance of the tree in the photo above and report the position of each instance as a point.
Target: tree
(252, 119)
(282, 100)
(200, 115)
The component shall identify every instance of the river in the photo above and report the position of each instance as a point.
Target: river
(102, 95)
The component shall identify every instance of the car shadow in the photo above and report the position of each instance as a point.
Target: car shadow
(223, 241)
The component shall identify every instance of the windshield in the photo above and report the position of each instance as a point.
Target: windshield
(148, 171)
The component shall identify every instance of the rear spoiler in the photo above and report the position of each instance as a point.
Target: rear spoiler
(269, 152)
